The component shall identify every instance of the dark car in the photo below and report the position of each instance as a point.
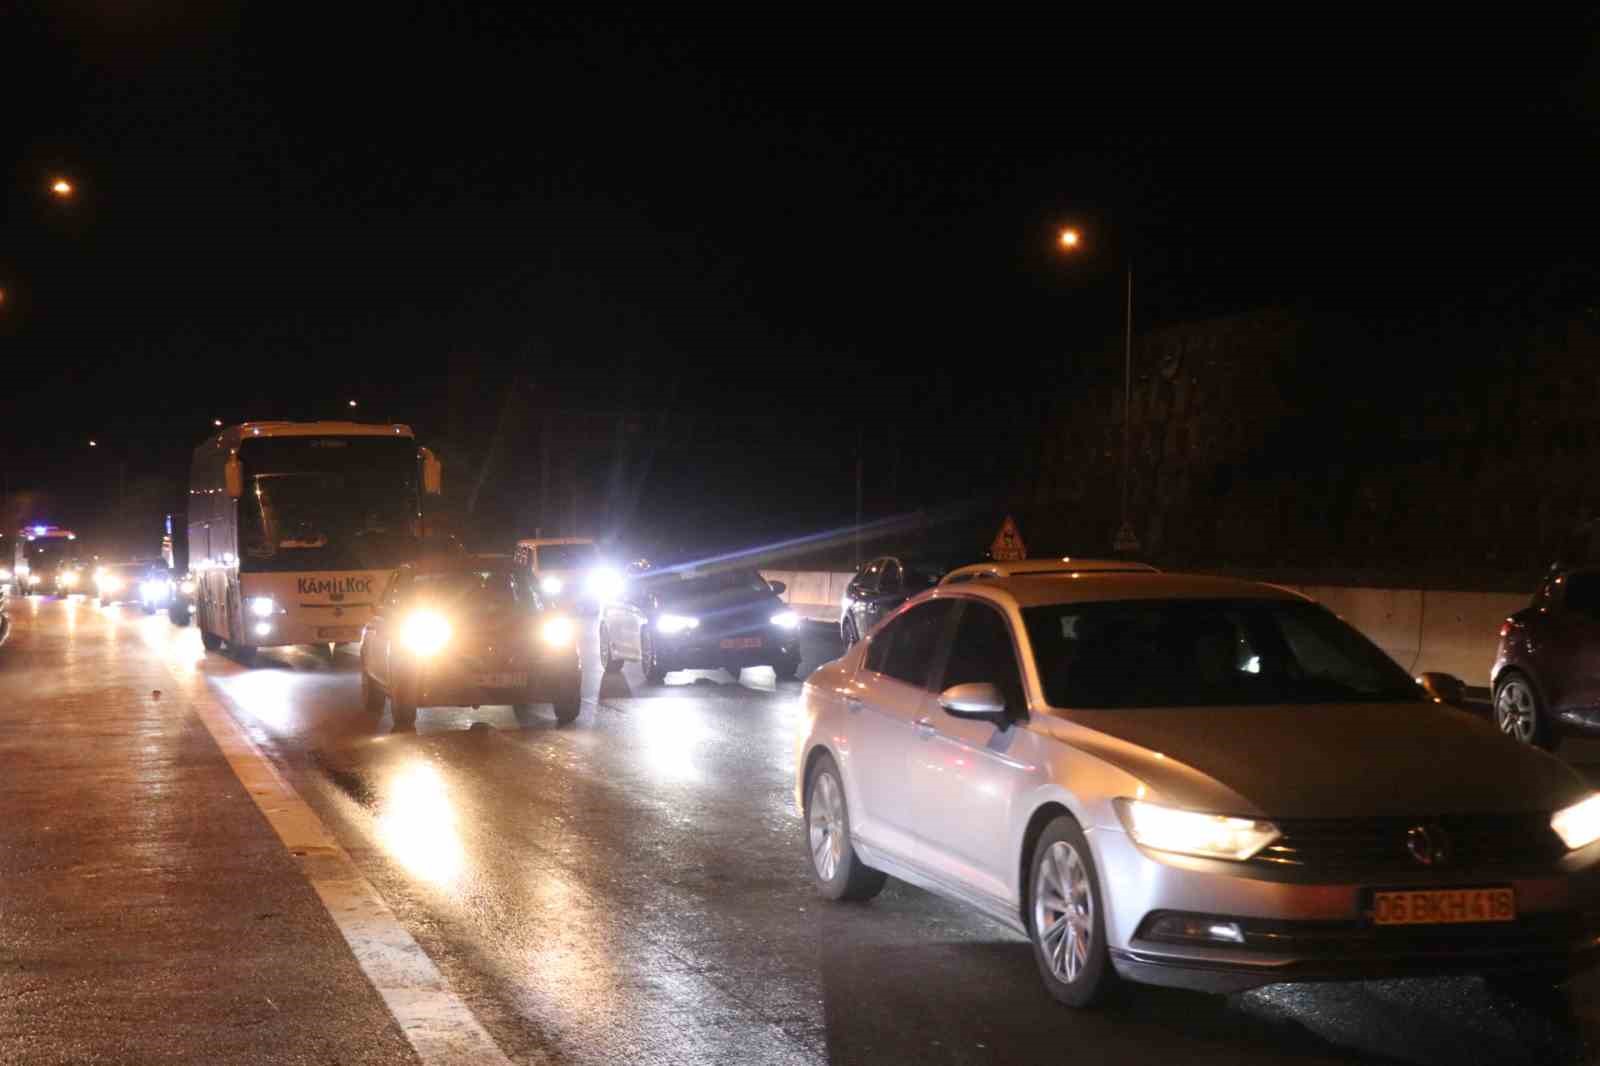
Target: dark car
(682, 620)
(881, 586)
(465, 632)
(1546, 676)
(149, 584)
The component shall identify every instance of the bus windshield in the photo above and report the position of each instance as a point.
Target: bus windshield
(327, 504)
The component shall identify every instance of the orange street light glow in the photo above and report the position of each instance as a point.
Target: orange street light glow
(62, 187)
(1069, 238)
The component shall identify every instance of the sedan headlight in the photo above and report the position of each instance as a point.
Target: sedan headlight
(604, 583)
(550, 586)
(1578, 825)
(786, 620)
(424, 633)
(669, 624)
(1212, 836)
(556, 632)
(263, 607)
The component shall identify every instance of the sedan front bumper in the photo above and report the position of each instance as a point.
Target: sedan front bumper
(1296, 929)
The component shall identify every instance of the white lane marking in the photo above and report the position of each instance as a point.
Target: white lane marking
(440, 1027)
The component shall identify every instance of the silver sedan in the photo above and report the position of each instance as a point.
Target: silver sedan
(1192, 782)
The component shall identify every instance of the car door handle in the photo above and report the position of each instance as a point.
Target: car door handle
(924, 728)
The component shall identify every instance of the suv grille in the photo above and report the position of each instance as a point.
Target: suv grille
(1364, 845)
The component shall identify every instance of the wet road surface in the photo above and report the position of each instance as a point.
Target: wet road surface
(629, 889)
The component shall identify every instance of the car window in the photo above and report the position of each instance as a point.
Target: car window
(867, 579)
(564, 556)
(903, 649)
(1583, 592)
(982, 651)
(889, 579)
(1206, 653)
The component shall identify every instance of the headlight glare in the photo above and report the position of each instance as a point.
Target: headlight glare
(187, 588)
(669, 624)
(109, 583)
(786, 620)
(70, 579)
(604, 583)
(550, 586)
(425, 632)
(263, 607)
(556, 632)
(1578, 825)
(1212, 836)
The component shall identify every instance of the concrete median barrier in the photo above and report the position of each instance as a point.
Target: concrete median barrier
(1452, 632)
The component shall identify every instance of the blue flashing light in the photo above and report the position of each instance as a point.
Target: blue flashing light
(38, 531)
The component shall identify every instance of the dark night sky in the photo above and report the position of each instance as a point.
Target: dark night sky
(796, 211)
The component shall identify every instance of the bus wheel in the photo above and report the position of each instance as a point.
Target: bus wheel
(211, 641)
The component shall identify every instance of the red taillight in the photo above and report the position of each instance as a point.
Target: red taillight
(1505, 627)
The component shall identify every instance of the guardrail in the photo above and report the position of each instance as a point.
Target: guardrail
(1421, 629)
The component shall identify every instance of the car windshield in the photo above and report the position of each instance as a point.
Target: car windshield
(564, 556)
(725, 584)
(478, 589)
(1206, 653)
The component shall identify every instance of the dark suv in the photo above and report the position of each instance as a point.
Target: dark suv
(1546, 673)
(881, 586)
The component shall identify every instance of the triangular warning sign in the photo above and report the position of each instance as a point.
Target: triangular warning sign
(1007, 545)
(1127, 540)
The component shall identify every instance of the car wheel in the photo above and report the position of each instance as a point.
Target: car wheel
(1066, 918)
(848, 631)
(211, 641)
(403, 704)
(649, 661)
(372, 696)
(1519, 714)
(567, 707)
(835, 866)
(609, 663)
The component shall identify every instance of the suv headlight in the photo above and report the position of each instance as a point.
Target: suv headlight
(1578, 825)
(669, 624)
(263, 607)
(1212, 836)
(424, 633)
(557, 631)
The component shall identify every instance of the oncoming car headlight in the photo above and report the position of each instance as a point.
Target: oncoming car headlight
(550, 586)
(786, 620)
(1578, 826)
(1211, 836)
(425, 632)
(557, 631)
(603, 583)
(669, 624)
(70, 579)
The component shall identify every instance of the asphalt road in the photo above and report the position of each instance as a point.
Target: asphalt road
(629, 889)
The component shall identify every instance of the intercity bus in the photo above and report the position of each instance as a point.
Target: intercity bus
(295, 528)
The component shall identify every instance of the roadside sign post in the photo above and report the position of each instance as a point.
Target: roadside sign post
(1007, 545)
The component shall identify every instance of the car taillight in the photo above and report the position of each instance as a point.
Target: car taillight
(1505, 627)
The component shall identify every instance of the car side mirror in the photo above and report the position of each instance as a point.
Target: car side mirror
(978, 701)
(778, 587)
(1442, 688)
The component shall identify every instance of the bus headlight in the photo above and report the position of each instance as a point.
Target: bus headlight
(556, 632)
(424, 633)
(263, 607)
(550, 586)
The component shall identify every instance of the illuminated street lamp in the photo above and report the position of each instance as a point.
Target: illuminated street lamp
(217, 422)
(1070, 240)
(94, 444)
(62, 188)
(352, 403)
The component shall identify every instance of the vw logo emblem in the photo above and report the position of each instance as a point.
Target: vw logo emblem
(1428, 844)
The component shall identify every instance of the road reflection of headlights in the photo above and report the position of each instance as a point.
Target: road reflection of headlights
(556, 632)
(550, 586)
(669, 624)
(604, 583)
(786, 620)
(425, 633)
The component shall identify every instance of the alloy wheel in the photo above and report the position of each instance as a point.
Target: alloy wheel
(1063, 911)
(1515, 711)
(825, 826)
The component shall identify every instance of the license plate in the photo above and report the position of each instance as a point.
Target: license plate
(342, 634)
(1444, 906)
(742, 642)
(502, 680)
